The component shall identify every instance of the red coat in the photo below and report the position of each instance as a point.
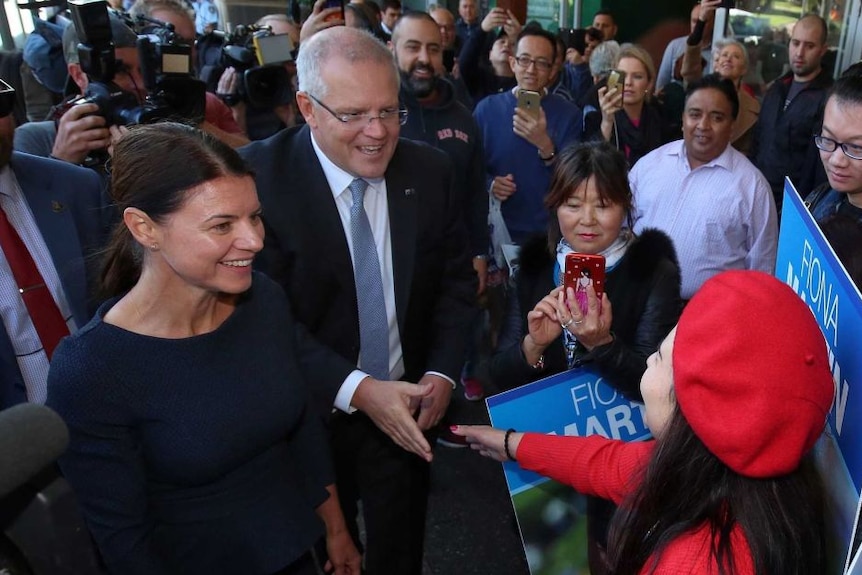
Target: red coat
(606, 468)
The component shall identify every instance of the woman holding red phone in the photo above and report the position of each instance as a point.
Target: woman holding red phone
(545, 333)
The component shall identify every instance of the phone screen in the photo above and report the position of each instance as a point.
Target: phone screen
(582, 271)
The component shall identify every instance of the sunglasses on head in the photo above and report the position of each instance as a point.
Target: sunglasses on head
(7, 99)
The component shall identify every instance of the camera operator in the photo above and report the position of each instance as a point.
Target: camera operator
(75, 132)
(219, 119)
(260, 123)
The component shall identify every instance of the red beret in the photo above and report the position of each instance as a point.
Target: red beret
(751, 373)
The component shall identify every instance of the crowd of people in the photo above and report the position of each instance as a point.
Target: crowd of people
(253, 322)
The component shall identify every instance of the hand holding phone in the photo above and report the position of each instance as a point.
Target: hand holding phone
(334, 4)
(616, 79)
(530, 102)
(582, 271)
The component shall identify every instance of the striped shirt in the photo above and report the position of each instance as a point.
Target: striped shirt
(31, 358)
(720, 216)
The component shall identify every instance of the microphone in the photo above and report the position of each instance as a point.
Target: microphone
(32, 436)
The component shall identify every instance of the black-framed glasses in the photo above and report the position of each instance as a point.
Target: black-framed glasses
(7, 99)
(526, 61)
(362, 119)
(853, 151)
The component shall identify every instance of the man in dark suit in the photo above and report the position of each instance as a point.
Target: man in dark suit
(310, 181)
(57, 211)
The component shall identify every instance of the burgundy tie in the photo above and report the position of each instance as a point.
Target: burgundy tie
(43, 310)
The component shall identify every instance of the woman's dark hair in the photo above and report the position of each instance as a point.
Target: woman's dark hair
(686, 487)
(365, 18)
(573, 167)
(152, 167)
(716, 82)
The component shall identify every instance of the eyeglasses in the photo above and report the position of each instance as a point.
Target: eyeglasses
(526, 61)
(7, 99)
(853, 151)
(357, 119)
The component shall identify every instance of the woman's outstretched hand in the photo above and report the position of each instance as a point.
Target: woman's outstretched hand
(489, 441)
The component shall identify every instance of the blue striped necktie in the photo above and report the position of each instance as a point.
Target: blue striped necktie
(373, 325)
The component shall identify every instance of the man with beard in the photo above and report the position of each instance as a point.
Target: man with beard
(436, 117)
(52, 217)
(791, 113)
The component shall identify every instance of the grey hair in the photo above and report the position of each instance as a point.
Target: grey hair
(603, 57)
(350, 44)
(725, 42)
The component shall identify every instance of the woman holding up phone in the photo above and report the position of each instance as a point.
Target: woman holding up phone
(544, 332)
(630, 120)
(730, 484)
(590, 203)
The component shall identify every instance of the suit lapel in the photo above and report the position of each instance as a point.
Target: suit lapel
(55, 222)
(403, 209)
(317, 204)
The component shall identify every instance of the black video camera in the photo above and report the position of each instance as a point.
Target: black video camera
(165, 63)
(258, 56)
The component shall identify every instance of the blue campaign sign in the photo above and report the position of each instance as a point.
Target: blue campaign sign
(807, 263)
(575, 402)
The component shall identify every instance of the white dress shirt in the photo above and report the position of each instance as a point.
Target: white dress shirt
(720, 216)
(31, 357)
(377, 208)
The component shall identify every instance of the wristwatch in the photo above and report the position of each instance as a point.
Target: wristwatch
(547, 158)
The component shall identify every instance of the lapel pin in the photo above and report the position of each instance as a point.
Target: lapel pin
(57, 207)
(409, 192)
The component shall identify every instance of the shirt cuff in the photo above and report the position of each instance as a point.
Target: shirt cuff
(347, 389)
(444, 376)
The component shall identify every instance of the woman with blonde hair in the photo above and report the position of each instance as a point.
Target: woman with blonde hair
(730, 62)
(630, 121)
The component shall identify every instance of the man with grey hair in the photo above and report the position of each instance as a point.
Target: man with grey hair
(363, 232)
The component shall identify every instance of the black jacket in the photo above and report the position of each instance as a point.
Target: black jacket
(449, 126)
(476, 70)
(644, 291)
(783, 143)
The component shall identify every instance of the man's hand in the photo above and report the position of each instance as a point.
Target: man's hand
(391, 405)
(707, 10)
(498, 17)
(434, 403)
(80, 132)
(480, 266)
(533, 129)
(317, 21)
(504, 187)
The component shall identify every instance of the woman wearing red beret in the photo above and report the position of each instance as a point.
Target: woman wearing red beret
(736, 397)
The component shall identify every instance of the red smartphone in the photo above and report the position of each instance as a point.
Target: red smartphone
(583, 270)
(334, 4)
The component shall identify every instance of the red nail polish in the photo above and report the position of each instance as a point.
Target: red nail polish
(453, 428)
